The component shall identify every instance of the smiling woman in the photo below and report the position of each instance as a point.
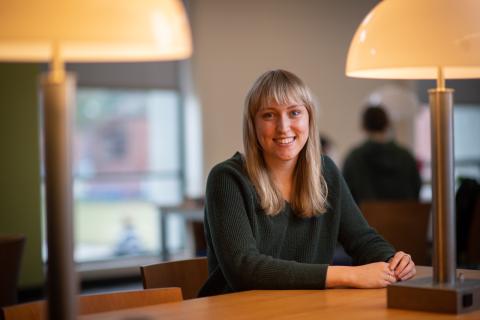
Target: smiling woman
(274, 215)
(281, 138)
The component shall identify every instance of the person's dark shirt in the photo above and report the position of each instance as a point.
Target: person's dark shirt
(382, 171)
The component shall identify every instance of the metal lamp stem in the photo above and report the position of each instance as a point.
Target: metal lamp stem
(444, 257)
(57, 97)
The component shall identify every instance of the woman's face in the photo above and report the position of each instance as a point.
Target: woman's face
(282, 131)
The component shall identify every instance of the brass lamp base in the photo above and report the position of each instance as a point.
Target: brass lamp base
(423, 295)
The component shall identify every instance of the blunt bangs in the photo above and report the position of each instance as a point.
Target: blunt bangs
(282, 88)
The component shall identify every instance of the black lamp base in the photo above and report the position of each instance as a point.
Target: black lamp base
(423, 295)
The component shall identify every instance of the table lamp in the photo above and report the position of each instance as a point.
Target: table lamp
(427, 39)
(59, 31)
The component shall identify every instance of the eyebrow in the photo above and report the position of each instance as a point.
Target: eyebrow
(292, 106)
(295, 106)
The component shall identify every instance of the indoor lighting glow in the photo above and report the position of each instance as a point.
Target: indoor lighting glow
(412, 38)
(94, 30)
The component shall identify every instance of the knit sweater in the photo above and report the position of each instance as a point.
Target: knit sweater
(249, 250)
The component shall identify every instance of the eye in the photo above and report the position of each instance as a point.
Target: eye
(295, 113)
(267, 115)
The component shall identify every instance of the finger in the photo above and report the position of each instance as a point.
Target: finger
(387, 273)
(410, 269)
(411, 272)
(404, 272)
(405, 265)
(407, 276)
(390, 278)
(402, 265)
(396, 259)
(393, 279)
(384, 283)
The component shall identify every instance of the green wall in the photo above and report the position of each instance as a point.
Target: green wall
(20, 204)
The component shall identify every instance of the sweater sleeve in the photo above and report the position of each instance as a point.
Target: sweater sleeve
(229, 200)
(360, 240)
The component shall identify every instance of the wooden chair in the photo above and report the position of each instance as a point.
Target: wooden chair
(474, 237)
(189, 275)
(97, 303)
(11, 249)
(402, 223)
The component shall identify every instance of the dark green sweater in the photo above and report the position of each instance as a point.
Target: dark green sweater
(249, 250)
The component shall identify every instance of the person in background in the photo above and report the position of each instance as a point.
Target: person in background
(325, 144)
(274, 214)
(381, 169)
(129, 242)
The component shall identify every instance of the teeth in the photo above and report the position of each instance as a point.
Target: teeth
(285, 140)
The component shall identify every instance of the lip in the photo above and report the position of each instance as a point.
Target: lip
(285, 141)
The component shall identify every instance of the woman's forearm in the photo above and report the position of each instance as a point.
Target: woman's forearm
(339, 276)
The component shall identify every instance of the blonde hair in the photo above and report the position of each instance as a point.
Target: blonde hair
(309, 195)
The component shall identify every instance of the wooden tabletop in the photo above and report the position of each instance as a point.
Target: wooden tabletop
(286, 304)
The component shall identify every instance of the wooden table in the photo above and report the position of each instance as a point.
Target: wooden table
(286, 304)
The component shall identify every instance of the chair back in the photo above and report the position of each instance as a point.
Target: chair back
(402, 223)
(189, 275)
(474, 237)
(96, 303)
(11, 249)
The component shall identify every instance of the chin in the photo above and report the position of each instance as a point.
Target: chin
(288, 157)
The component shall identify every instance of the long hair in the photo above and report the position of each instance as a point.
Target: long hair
(309, 195)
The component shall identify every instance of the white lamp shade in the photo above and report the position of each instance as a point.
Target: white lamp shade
(94, 30)
(410, 39)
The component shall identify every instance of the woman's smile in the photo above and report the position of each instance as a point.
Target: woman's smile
(284, 141)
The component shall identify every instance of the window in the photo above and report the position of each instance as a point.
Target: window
(127, 161)
(466, 146)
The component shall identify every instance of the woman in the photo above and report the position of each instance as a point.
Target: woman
(274, 216)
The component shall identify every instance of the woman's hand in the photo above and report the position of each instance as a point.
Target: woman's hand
(402, 265)
(373, 275)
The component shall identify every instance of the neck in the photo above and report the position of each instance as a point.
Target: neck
(381, 137)
(281, 168)
(282, 175)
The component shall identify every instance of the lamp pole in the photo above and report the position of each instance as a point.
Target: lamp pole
(441, 112)
(58, 90)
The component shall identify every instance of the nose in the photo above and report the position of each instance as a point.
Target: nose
(283, 123)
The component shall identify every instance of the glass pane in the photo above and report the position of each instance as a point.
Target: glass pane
(126, 164)
(467, 147)
(108, 229)
(126, 131)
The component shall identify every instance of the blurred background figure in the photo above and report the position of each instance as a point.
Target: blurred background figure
(325, 143)
(328, 147)
(129, 242)
(381, 169)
